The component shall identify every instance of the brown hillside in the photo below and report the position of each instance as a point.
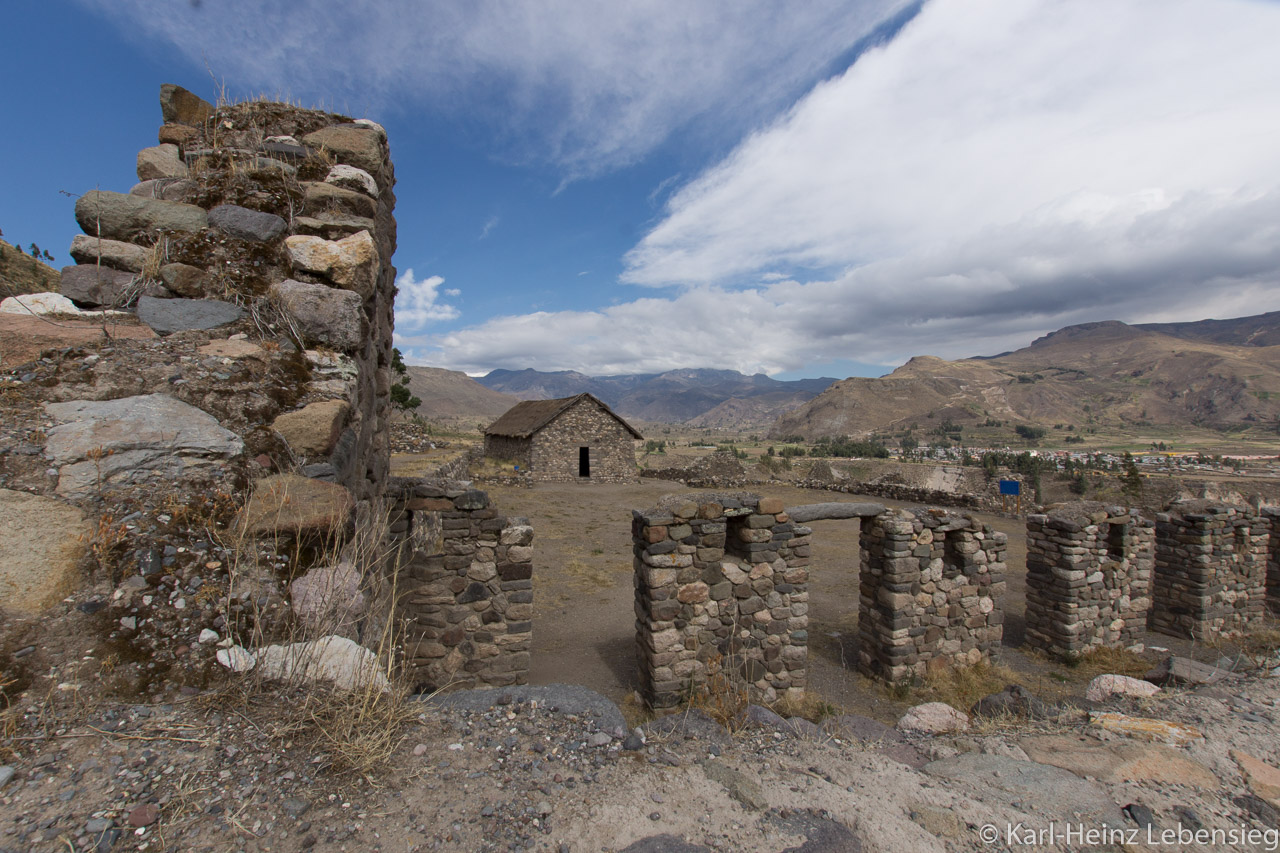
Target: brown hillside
(1103, 373)
(751, 413)
(21, 273)
(452, 395)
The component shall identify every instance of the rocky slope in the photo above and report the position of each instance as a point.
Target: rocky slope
(21, 273)
(452, 395)
(673, 397)
(1109, 374)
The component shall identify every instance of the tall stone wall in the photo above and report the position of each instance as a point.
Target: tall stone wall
(1089, 572)
(271, 227)
(721, 585)
(466, 586)
(1272, 516)
(554, 448)
(1210, 569)
(932, 589)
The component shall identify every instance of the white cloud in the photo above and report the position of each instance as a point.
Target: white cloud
(418, 302)
(1005, 167)
(586, 84)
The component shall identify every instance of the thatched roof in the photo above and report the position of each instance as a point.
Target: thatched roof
(525, 418)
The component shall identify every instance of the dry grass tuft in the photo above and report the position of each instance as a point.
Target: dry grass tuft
(962, 686)
(810, 706)
(1109, 661)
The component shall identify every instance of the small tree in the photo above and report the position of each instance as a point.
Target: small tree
(1131, 479)
(401, 397)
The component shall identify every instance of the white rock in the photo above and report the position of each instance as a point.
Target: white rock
(352, 178)
(337, 659)
(39, 303)
(207, 636)
(236, 658)
(934, 718)
(370, 123)
(1105, 686)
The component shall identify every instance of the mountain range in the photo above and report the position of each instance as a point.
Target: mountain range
(1211, 373)
(699, 396)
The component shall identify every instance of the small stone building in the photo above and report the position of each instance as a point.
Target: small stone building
(573, 438)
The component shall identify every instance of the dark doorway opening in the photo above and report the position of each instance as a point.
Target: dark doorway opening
(584, 462)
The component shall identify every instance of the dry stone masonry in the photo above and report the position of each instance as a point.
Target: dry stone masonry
(721, 592)
(1210, 569)
(263, 221)
(932, 589)
(1272, 515)
(466, 589)
(1089, 572)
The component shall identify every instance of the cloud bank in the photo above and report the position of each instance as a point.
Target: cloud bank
(1002, 168)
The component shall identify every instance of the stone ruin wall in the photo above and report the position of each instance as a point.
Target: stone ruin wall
(1272, 515)
(1089, 571)
(273, 225)
(931, 589)
(721, 593)
(1210, 569)
(465, 589)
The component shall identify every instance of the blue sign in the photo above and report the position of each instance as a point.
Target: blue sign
(1010, 487)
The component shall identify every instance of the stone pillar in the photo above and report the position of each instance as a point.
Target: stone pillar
(468, 606)
(1210, 572)
(1088, 578)
(1271, 515)
(932, 589)
(721, 586)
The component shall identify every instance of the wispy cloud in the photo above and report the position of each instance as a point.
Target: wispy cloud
(1001, 169)
(489, 224)
(585, 85)
(418, 302)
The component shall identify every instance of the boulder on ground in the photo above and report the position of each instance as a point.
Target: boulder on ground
(1105, 686)
(933, 718)
(337, 660)
(328, 596)
(1175, 670)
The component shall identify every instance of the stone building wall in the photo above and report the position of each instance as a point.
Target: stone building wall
(932, 589)
(1089, 570)
(1210, 569)
(1272, 516)
(508, 448)
(271, 226)
(554, 449)
(466, 586)
(721, 585)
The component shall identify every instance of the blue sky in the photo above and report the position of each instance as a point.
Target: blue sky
(825, 187)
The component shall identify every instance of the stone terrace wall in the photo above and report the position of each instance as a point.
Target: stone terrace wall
(932, 589)
(272, 224)
(1210, 569)
(466, 586)
(721, 588)
(1088, 578)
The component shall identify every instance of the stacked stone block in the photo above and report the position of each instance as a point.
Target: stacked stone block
(1210, 569)
(932, 590)
(721, 592)
(271, 222)
(1272, 516)
(1089, 572)
(467, 606)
